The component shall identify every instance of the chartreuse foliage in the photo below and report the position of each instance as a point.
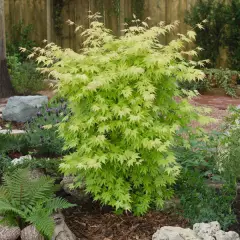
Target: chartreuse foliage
(24, 201)
(122, 92)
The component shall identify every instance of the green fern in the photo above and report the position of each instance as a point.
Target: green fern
(24, 201)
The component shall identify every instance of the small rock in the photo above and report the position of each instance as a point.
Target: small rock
(221, 235)
(36, 173)
(31, 233)
(22, 108)
(14, 131)
(201, 231)
(61, 231)
(206, 229)
(174, 233)
(9, 233)
(79, 193)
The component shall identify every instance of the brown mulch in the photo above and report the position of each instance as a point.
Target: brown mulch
(12, 125)
(109, 226)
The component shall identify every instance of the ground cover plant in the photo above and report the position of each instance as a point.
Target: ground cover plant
(124, 111)
(207, 186)
(25, 78)
(197, 152)
(225, 79)
(229, 146)
(202, 203)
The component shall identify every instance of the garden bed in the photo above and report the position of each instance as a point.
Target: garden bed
(92, 222)
(100, 225)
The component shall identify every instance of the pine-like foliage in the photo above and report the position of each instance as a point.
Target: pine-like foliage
(24, 201)
(126, 108)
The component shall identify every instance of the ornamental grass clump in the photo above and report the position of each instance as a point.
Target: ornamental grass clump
(122, 93)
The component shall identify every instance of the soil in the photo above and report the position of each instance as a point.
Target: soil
(92, 221)
(218, 106)
(100, 225)
(13, 125)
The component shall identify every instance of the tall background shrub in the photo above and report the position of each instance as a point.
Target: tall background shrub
(221, 30)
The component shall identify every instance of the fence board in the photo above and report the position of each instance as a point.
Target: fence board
(35, 13)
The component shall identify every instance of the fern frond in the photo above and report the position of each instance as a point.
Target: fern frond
(25, 200)
(42, 221)
(8, 207)
(3, 193)
(9, 220)
(58, 203)
(16, 186)
(40, 189)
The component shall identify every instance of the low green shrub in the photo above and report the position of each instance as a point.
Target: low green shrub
(26, 80)
(201, 203)
(13, 143)
(199, 85)
(20, 37)
(122, 92)
(25, 201)
(197, 151)
(220, 78)
(50, 166)
(42, 135)
(228, 160)
(223, 78)
(5, 163)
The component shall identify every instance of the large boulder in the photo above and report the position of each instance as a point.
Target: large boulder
(201, 231)
(23, 108)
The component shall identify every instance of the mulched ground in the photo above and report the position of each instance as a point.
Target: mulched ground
(12, 125)
(109, 226)
(91, 221)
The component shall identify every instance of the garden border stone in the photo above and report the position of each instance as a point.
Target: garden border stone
(22, 108)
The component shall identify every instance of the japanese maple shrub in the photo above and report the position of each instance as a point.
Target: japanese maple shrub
(126, 108)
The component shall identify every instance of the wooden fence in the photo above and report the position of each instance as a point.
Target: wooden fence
(42, 15)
